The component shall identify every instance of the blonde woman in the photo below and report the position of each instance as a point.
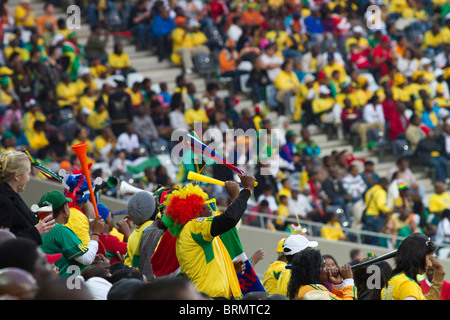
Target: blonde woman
(15, 170)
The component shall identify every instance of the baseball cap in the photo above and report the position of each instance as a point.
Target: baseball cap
(53, 257)
(55, 198)
(296, 243)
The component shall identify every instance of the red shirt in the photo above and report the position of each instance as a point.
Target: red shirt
(389, 107)
(381, 52)
(445, 293)
(397, 125)
(217, 8)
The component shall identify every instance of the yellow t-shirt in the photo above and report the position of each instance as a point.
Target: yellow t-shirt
(271, 276)
(119, 61)
(99, 144)
(79, 223)
(205, 260)
(87, 102)
(283, 281)
(329, 69)
(193, 116)
(5, 97)
(97, 120)
(136, 97)
(37, 140)
(401, 287)
(281, 39)
(24, 54)
(322, 105)
(30, 20)
(282, 214)
(286, 81)
(439, 202)
(132, 258)
(66, 94)
(352, 96)
(431, 40)
(330, 232)
(81, 86)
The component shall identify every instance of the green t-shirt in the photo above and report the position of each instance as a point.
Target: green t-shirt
(63, 240)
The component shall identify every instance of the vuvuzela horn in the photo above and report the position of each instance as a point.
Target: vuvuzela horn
(375, 260)
(202, 178)
(80, 151)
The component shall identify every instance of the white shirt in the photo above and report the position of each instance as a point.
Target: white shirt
(234, 32)
(272, 202)
(443, 229)
(127, 142)
(354, 185)
(299, 207)
(266, 60)
(372, 114)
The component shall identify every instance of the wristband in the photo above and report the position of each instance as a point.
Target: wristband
(248, 190)
(95, 234)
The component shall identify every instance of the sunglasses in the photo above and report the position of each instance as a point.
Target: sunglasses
(211, 204)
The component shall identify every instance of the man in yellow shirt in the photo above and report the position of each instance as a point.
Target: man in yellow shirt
(186, 44)
(287, 84)
(273, 272)
(440, 200)
(293, 245)
(376, 209)
(24, 15)
(66, 92)
(104, 145)
(119, 60)
(432, 38)
(196, 114)
(200, 252)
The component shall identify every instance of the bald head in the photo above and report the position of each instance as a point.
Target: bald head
(16, 283)
(6, 235)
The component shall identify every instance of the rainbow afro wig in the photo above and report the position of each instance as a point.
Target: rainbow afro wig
(183, 205)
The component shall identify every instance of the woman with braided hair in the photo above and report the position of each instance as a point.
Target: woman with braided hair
(15, 170)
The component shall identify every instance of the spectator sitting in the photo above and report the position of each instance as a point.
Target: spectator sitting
(228, 65)
(185, 45)
(161, 35)
(129, 142)
(332, 230)
(428, 153)
(139, 24)
(307, 146)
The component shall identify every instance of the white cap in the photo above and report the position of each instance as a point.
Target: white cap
(324, 90)
(424, 61)
(358, 29)
(296, 243)
(57, 38)
(308, 78)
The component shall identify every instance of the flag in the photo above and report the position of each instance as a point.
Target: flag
(139, 165)
(42, 169)
(201, 148)
(164, 260)
(248, 281)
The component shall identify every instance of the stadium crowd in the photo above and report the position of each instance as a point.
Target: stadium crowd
(316, 63)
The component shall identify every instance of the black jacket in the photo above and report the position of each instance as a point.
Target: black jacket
(16, 216)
